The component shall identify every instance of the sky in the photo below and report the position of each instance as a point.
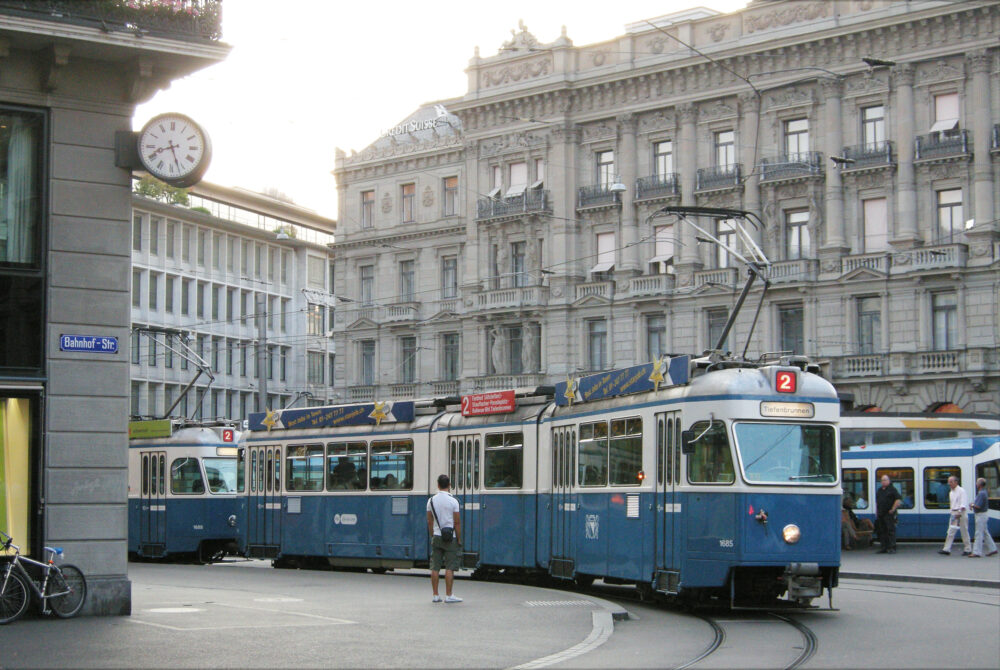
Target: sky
(307, 76)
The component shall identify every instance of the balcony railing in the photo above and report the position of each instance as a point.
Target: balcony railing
(790, 166)
(879, 262)
(870, 365)
(397, 391)
(943, 144)
(444, 388)
(802, 269)
(928, 363)
(938, 361)
(650, 285)
(503, 382)
(356, 393)
(930, 258)
(595, 196)
(404, 311)
(873, 154)
(720, 176)
(658, 186)
(525, 296)
(532, 200)
(724, 276)
(179, 19)
(601, 289)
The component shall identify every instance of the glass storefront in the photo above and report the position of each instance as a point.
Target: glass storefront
(16, 418)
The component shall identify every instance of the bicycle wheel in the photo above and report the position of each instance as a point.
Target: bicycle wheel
(14, 597)
(68, 579)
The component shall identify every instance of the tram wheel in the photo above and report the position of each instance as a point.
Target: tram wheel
(379, 571)
(583, 581)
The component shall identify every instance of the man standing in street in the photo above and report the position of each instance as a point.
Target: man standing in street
(444, 525)
(959, 519)
(981, 508)
(887, 501)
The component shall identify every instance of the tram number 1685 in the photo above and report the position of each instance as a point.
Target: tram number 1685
(726, 544)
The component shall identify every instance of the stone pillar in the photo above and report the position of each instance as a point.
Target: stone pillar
(906, 189)
(688, 163)
(750, 111)
(626, 171)
(561, 178)
(835, 241)
(978, 108)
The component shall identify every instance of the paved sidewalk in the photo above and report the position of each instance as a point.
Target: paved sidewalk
(921, 562)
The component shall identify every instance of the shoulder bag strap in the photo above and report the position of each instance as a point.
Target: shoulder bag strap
(434, 512)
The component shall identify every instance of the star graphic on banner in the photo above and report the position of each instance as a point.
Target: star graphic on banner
(380, 412)
(661, 372)
(271, 419)
(571, 386)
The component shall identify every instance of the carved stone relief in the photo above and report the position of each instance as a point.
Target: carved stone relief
(656, 121)
(717, 31)
(789, 98)
(598, 131)
(870, 180)
(795, 12)
(386, 203)
(515, 72)
(940, 70)
(499, 145)
(716, 110)
(428, 199)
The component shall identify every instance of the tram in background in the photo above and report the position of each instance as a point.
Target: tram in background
(186, 493)
(705, 478)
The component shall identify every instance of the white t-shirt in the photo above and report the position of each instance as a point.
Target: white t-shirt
(446, 507)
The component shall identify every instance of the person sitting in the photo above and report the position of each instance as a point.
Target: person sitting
(853, 531)
(344, 473)
(390, 482)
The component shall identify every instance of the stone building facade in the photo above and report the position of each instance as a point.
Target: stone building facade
(202, 274)
(514, 236)
(72, 74)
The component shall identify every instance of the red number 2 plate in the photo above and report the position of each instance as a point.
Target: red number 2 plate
(785, 381)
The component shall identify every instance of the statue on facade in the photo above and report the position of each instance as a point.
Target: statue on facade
(497, 350)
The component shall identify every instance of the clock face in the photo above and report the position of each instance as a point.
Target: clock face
(174, 149)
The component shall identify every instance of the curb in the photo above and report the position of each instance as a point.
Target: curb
(950, 581)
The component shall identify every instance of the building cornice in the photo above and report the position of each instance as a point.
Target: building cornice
(386, 240)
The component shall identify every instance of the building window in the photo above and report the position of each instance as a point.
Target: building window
(200, 304)
(272, 263)
(217, 251)
(230, 304)
(944, 307)
(216, 301)
(605, 168)
(283, 365)
(216, 350)
(187, 236)
(137, 288)
(725, 148)
(790, 327)
(408, 359)
(597, 340)
(449, 356)
(245, 259)
(539, 170)
(202, 247)
(314, 371)
(605, 243)
(154, 236)
(229, 356)
(663, 158)
(285, 306)
(186, 297)
(285, 260)
(796, 138)
(367, 284)
(134, 398)
(663, 251)
(875, 236)
(869, 325)
(716, 322)
(367, 209)
(367, 362)
(314, 319)
(137, 232)
(406, 281)
(315, 271)
(656, 331)
(945, 112)
(449, 199)
(231, 255)
(517, 250)
(497, 180)
(725, 231)
(449, 277)
(518, 182)
(134, 353)
(949, 216)
(333, 277)
(168, 357)
(168, 294)
(258, 261)
(407, 194)
(245, 310)
(515, 347)
(171, 238)
(873, 127)
(797, 234)
(154, 291)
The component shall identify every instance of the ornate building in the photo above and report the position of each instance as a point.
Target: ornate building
(513, 236)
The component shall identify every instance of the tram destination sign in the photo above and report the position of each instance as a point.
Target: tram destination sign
(364, 414)
(90, 344)
(480, 404)
(663, 372)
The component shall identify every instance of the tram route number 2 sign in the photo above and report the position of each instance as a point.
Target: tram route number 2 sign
(480, 404)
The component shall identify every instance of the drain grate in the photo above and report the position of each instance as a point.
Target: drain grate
(558, 603)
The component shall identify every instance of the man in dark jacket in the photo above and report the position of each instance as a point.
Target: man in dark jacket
(887, 501)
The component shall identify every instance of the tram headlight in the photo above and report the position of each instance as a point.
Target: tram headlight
(791, 533)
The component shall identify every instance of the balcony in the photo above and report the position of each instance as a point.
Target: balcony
(531, 201)
(186, 19)
(447, 306)
(802, 269)
(658, 186)
(937, 361)
(440, 389)
(508, 298)
(650, 285)
(361, 393)
(402, 391)
(867, 365)
(504, 382)
(723, 276)
(600, 195)
(930, 258)
(972, 362)
(791, 166)
(867, 156)
(943, 145)
(878, 262)
(404, 311)
(718, 177)
(601, 289)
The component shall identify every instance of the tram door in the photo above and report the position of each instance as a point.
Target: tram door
(153, 504)
(264, 505)
(563, 506)
(668, 503)
(463, 458)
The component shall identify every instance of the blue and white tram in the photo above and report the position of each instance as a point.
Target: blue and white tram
(920, 470)
(186, 490)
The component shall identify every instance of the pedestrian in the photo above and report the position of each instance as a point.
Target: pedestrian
(959, 519)
(444, 525)
(981, 508)
(887, 501)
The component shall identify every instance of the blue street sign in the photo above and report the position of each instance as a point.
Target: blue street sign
(90, 344)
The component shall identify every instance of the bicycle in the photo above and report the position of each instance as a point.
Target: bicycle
(62, 590)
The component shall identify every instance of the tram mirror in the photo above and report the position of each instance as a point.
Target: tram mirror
(687, 441)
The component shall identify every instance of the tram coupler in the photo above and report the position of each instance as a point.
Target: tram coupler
(804, 581)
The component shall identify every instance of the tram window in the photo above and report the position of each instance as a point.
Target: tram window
(855, 481)
(852, 438)
(938, 434)
(241, 464)
(185, 476)
(476, 461)
(453, 464)
(145, 475)
(625, 451)
(253, 470)
(160, 477)
(392, 465)
(936, 489)
(711, 462)
(890, 436)
(990, 471)
(660, 447)
(304, 467)
(221, 473)
(277, 471)
(787, 453)
(503, 461)
(269, 477)
(346, 466)
(677, 451)
(557, 440)
(593, 459)
(902, 479)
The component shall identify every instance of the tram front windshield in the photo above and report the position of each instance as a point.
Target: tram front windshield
(781, 453)
(222, 475)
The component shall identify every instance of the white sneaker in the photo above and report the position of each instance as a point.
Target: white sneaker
(452, 599)
(436, 599)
